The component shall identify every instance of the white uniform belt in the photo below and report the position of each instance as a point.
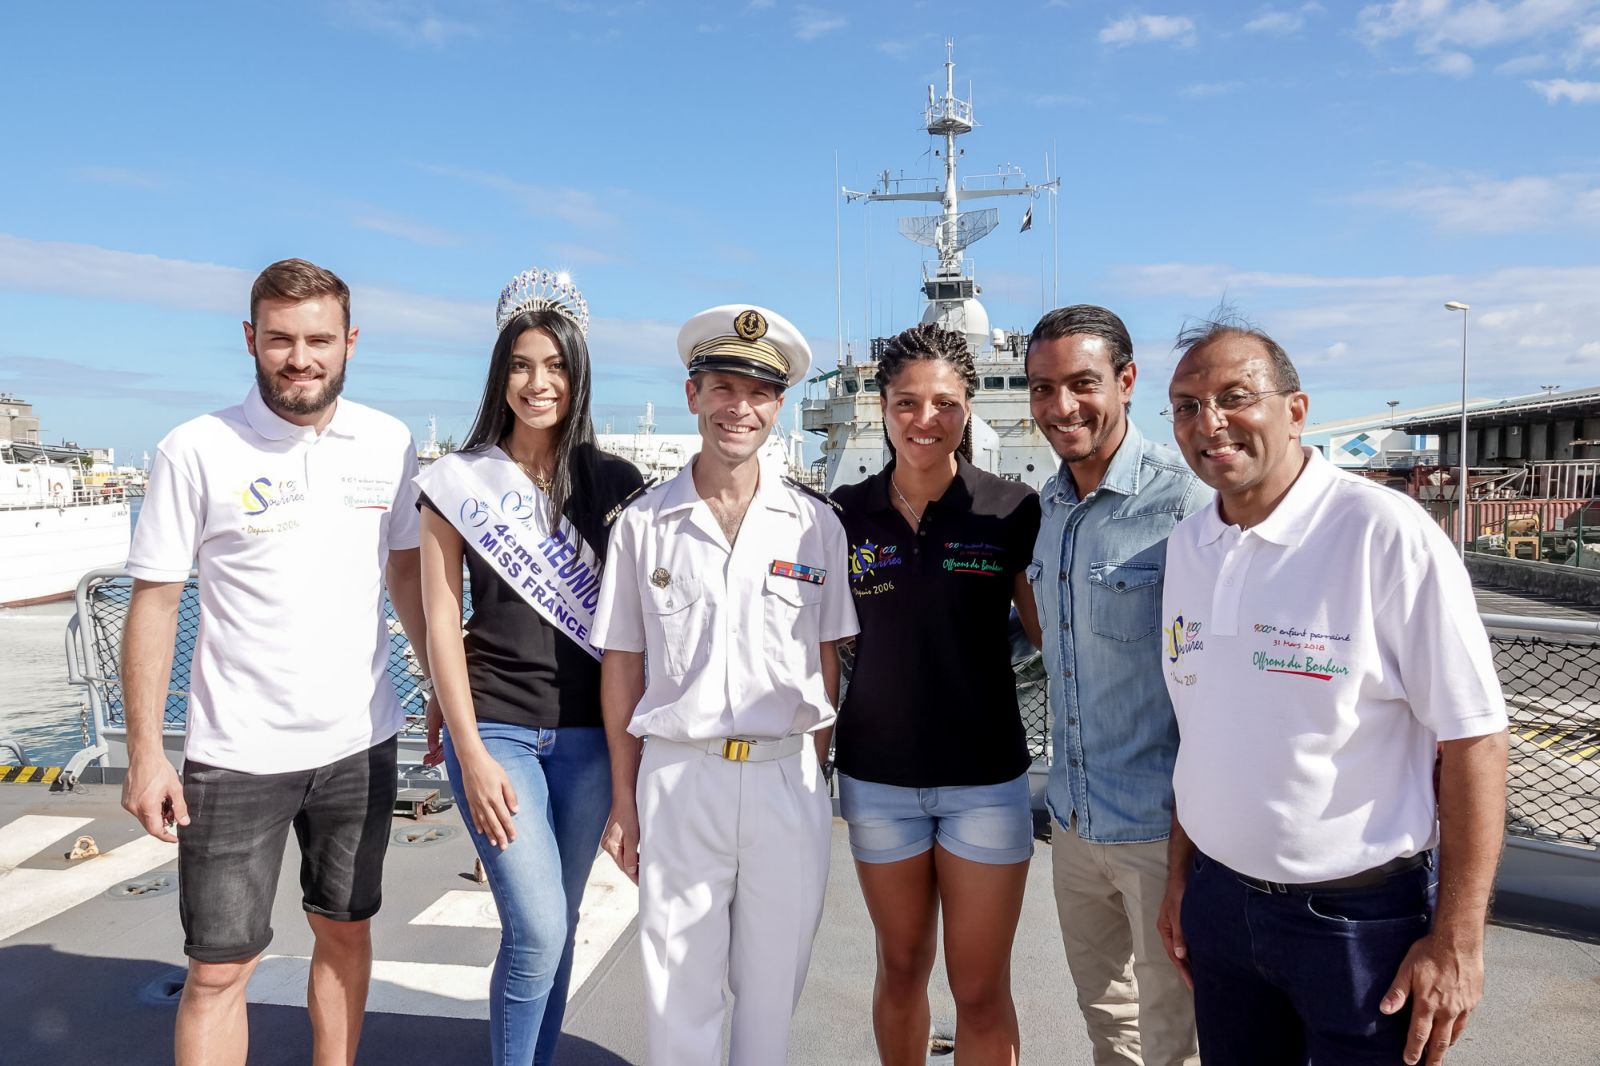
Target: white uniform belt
(739, 749)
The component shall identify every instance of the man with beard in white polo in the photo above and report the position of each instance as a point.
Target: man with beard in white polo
(729, 581)
(296, 505)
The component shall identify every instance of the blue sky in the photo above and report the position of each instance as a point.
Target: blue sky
(1337, 171)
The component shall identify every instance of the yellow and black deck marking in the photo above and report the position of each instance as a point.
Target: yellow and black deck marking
(37, 775)
(1572, 743)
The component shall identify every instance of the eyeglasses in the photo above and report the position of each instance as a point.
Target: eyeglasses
(1227, 403)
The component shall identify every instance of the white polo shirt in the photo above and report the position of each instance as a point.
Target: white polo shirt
(292, 531)
(1314, 661)
(732, 639)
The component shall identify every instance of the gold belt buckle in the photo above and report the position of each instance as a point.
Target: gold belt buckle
(736, 750)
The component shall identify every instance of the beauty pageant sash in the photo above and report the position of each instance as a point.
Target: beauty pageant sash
(507, 520)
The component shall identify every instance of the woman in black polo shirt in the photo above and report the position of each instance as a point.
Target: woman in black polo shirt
(526, 503)
(930, 748)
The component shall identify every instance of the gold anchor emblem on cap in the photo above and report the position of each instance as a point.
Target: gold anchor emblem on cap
(660, 578)
(751, 325)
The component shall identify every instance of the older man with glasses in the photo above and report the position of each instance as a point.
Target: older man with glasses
(1321, 645)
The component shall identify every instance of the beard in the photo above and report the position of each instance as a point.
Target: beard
(299, 401)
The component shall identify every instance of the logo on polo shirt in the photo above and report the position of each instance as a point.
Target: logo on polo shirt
(261, 495)
(869, 556)
(257, 497)
(1299, 651)
(974, 557)
(1181, 639)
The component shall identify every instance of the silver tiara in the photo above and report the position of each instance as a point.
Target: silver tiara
(538, 290)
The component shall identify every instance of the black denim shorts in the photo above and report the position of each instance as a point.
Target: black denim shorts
(231, 852)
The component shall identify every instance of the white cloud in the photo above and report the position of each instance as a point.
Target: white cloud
(1455, 64)
(899, 49)
(1492, 206)
(412, 22)
(388, 318)
(415, 232)
(1558, 89)
(120, 176)
(1206, 89)
(577, 255)
(1283, 23)
(1524, 64)
(1348, 332)
(579, 207)
(811, 23)
(1143, 29)
(1059, 100)
(1448, 32)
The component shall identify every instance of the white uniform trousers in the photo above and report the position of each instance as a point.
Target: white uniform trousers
(733, 864)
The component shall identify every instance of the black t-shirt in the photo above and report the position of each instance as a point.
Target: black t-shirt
(932, 700)
(522, 669)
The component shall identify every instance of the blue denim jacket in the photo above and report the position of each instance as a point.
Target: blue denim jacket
(1097, 573)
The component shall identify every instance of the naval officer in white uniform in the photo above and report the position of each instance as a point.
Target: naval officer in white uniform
(730, 583)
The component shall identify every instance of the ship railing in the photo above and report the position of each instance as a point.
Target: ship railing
(1549, 670)
(94, 649)
(79, 496)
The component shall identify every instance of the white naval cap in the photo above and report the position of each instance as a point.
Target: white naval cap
(745, 339)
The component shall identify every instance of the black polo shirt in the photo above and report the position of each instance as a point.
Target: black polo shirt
(932, 700)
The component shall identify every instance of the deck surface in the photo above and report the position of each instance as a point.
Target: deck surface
(91, 978)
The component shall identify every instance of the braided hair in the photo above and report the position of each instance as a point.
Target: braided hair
(930, 343)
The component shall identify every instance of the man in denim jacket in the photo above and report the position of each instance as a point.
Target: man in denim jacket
(1097, 577)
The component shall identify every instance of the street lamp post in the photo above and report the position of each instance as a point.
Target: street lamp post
(1461, 446)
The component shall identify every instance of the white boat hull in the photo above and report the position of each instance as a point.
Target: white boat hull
(45, 550)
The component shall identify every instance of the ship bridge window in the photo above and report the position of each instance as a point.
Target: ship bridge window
(870, 385)
(1017, 381)
(850, 386)
(994, 383)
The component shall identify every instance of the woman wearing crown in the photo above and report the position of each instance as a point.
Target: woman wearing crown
(525, 505)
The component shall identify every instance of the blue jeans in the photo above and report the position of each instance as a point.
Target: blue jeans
(1294, 978)
(563, 782)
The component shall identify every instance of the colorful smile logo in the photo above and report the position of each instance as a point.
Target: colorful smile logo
(1180, 638)
(869, 556)
(257, 497)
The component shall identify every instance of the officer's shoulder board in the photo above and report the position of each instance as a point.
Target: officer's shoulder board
(612, 515)
(814, 493)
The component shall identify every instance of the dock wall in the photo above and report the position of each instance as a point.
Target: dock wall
(1549, 580)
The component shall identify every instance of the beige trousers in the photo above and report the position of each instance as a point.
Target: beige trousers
(1138, 1010)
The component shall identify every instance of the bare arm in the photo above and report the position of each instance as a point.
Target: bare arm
(490, 800)
(621, 689)
(404, 578)
(1180, 860)
(830, 685)
(1442, 974)
(1027, 612)
(151, 792)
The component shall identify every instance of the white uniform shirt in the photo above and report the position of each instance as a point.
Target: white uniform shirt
(732, 647)
(292, 531)
(1314, 660)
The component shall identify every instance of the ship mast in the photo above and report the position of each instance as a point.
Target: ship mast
(951, 289)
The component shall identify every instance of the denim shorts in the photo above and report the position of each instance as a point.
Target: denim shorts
(982, 823)
(230, 853)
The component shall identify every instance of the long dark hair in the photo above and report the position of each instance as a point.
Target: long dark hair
(928, 343)
(572, 481)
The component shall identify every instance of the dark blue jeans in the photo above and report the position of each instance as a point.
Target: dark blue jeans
(563, 783)
(1285, 979)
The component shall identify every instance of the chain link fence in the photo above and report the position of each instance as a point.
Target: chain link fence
(1551, 684)
(106, 600)
(1551, 687)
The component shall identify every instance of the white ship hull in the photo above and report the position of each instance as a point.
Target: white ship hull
(44, 550)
